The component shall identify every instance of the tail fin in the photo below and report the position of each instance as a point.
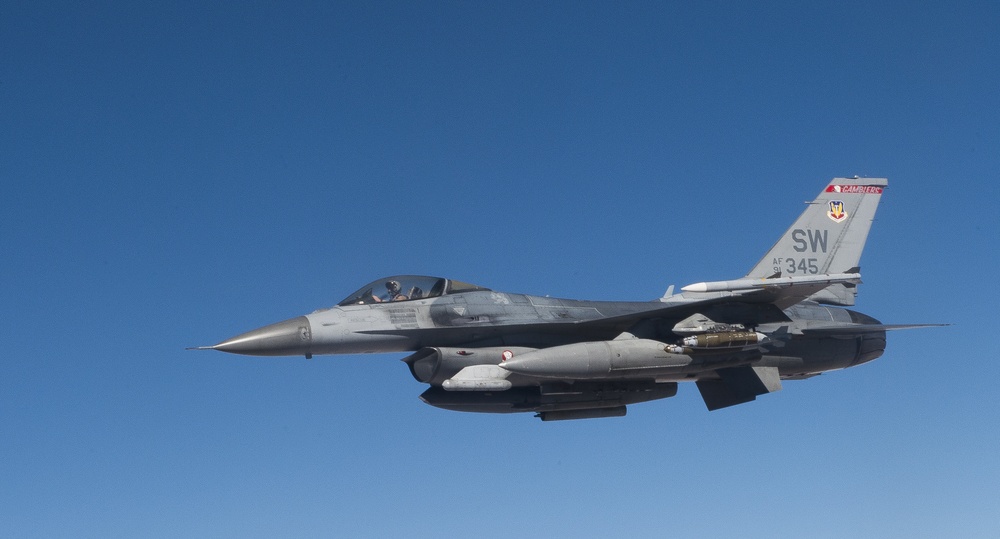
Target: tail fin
(828, 237)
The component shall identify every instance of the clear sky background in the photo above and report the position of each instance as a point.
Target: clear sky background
(173, 174)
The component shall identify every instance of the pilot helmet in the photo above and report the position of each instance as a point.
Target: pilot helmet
(392, 286)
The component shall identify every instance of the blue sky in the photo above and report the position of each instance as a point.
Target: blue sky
(176, 173)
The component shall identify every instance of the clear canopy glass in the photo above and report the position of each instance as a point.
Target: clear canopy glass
(406, 288)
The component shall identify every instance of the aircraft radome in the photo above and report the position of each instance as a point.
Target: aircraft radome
(481, 350)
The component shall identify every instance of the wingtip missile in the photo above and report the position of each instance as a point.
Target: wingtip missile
(772, 282)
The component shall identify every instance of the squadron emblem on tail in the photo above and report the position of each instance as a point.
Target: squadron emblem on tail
(837, 213)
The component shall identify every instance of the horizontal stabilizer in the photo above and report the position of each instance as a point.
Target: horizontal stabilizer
(737, 385)
(854, 329)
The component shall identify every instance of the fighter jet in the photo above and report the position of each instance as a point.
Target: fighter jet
(482, 350)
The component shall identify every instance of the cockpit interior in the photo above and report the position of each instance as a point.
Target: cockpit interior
(406, 288)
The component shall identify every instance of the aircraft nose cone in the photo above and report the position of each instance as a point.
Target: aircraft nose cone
(289, 338)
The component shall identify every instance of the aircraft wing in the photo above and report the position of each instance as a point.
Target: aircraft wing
(781, 292)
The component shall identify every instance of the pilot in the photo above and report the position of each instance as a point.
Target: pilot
(394, 293)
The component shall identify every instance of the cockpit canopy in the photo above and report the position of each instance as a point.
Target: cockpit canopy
(406, 288)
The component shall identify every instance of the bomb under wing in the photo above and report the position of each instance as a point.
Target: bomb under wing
(481, 350)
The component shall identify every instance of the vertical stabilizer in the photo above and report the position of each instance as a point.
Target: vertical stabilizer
(828, 237)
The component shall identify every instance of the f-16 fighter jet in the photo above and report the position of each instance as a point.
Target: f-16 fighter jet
(481, 350)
